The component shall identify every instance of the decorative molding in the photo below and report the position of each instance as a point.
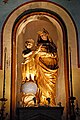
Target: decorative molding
(46, 5)
(5, 1)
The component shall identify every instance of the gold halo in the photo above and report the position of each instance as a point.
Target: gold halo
(44, 31)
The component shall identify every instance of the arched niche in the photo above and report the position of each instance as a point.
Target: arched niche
(26, 30)
(62, 30)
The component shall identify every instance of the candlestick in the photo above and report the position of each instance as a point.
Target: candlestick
(72, 98)
(3, 99)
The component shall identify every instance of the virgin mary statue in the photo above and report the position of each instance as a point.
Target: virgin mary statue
(45, 64)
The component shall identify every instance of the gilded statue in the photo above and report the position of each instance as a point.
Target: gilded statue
(40, 66)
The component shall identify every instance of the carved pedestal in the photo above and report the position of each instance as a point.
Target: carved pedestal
(40, 113)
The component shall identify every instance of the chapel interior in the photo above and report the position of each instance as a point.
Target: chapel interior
(39, 67)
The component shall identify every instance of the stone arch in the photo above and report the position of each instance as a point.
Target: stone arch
(59, 17)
